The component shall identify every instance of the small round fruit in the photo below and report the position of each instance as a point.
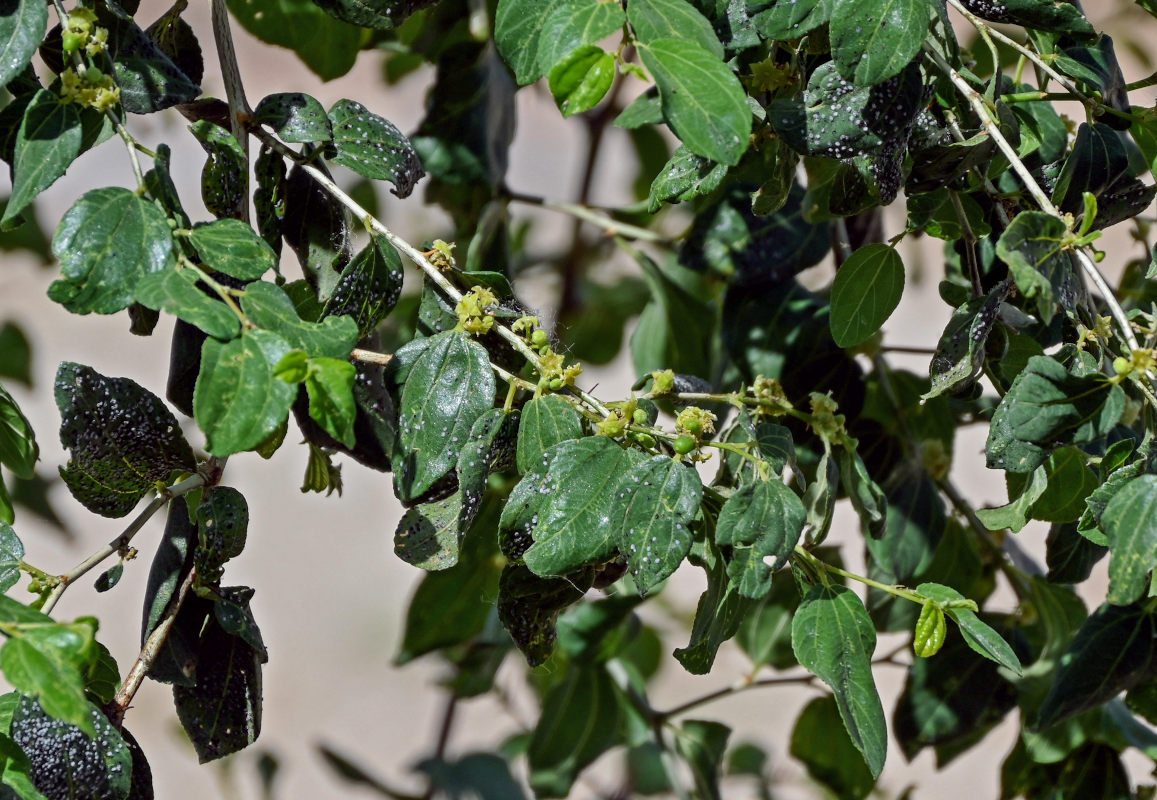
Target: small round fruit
(683, 444)
(539, 338)
(1120, 365)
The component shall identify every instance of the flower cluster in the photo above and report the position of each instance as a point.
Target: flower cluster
(473, 311)
(93, 89)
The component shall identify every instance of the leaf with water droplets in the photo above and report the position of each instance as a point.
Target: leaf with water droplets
(294, 117)
(225, 176)
(11, 554)
(546, 421)
(657, 500)
(369, 286)
(703, 101)
(47, 142)
(684, 177)
(872, 40)
(436, 415)
(22, 27)
(222, 712)
(232, 247)
(761, 520)
(222, 522)
(121, 437)
(372, 147)
(960, 352)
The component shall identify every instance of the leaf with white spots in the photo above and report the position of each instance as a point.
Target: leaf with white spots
(546, 421)
(372, 147)
(872, 40)
(761, 520)
(657, 499)
(1130, 523)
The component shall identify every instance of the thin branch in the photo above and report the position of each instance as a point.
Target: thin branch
(149, 652)
(239, 111)
(443, 738)
(121, 542)
(735, 688)
(594, 216)
(370, 357)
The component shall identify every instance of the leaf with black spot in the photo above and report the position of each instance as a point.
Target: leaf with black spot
(369, 286)
(222, 522)
(269, 197)
(528, 607)
(121, 437)
(148, 79)
(225, 176)
(960, 352)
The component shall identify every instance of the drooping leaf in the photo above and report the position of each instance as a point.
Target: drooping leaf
(718, 615)
(232, 247)
(148, 79)
(271, 309)
(237, 401)
(325, 44)
(833, 637)
(1130, 523)
(546, 421)
(106, 243)
(528, 607)
(570, 24)
(122, 439)
(18, 449)
(316, 227)
(269, 197)
(225, 176)
(820, 740)
(873, 41)
(222, 522)
(369, 286)
(960, 352)
(1032, 246)
(703, 101)
(1098, 158)
(866, 291)
(518, 35)
(658, 498)
(22, 27)
(980, 636)
(47, 142)
(371, 146)
(762, 520)
(581, 79)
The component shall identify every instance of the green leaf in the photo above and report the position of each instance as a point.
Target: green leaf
(106, 243)
(47, 143)
(222, 712)
(22, 27)
(960, 354)
(685, 177)
(326, 45)
(672, 19)
(833, 637)
(518, 35)
(11, 556)
(372, 147)
(646, 109)
(703, 101)
(46, 667)
(979, 636)
(676, 327)
(658, 498)
(872, 41)
(369, 286)
(820, 740)
(701, 744)
(110, 577)
(866, 291)
(1113, 651)
(765, 633)
(1015, 514)
(225, 176)
(176, 291)
(1098, 158)
(428, 533)
(1046, 406)
(546, 421)
(315, 226)
(232, 612)
(330, 384)
(1130, 522)
(1070, 482)
(222, 523)
(931, 630)
(1057, 16)
(435, 415)
(581, 79)
(775, 19)
(18, 449)
(72, 761)
(237, 402)
(148, 79)
(581, 718)
(177, 660)
(1032, 246)
(270, 308)
(232, 247)
(575, 23)
(269, 197)
(569, 507)
(528, 607)
(121, 439)
(762, 520)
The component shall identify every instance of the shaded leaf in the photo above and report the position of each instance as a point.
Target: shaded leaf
(148, 79)
(820, 740)
(325, 44)
(232, 247)
(866, 291)
(762, 520)
(369, 286)
(225, 176)
(177, 292)
(1130, 523)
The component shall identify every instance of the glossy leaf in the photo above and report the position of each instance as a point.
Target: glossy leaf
(703, 101)
(177, 292)
(979, 636)
(48, 141)
(820, 740)
(372, 147)
(22, 27)
(1130, 522)
(570, 24)
(222, 522)
(436, 417)
(369, 286)
(518, 35)
(581, 79)
(775, 19)
(546, 421)
(148, 79)
(225, 175)
(762, 520)
(238, 402)
(672, 19)
(959, 356)
(11, 554)
(232, 247)
(685, 177)
(316, 227)
(271, 309)
(1032, 246)
(872, 41)
(121, 438)
(106, 243)
(1049, 15)
(330, 383)
(1098, 159)
(18, 449)
(866, 291)
(833, 637)
(658, 498)
(325, 44)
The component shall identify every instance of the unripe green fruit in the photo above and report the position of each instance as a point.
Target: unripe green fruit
(555, 384)
(93, 75)
(1120, 365)
(71, 42)
(539, 338)
(639, 417)
(683, 444)
(693, 426)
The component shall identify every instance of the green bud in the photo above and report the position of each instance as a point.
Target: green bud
(539, 338)
(1121, 365)
(556, 384)
(683, 444)
(639, 417)
(70, 42)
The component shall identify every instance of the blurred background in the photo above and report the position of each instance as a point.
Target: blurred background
(331, 596)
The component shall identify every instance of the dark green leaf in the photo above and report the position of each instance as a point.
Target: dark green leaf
(775, 19)
(47, 143)
(866, 291)
(149, 81)
(225, 176)
(979, 636)
(581, 718)
(960, 352)
(369, 286)
(872, 41)
(1111, 653)
(672, 19)
(177, 660)
(1032, 246)
(915, 523)
(107, 242)
(11, 555)
(231, 246)
(1070, 556)
(177, 292)
(382, 15)
(15, 353)
(270, 308)
(685, 177)
(485, 776)
(372, 147)
(570, 24)
(1015, 515)
(568, 506)
(110, 577)
(238, 402)
(326, 45)
(762, 520)
(1046, 15)
(1130, 523)
(675, 329)
(222, 522)
(315, 226)
(1098, 159)
(701, 744)
(820, 740)
(528, 607)
(175, 37)
(581, 79)
(703, 101)
(22, 27)
(232, 612)
(658, 498)
(646, 109)
(269, 197)
(546, 421)
(122, 439)
(718, 615)
(222, 712)
(1070, 482)
(1045, 406)
(518, 35)
(833, 637)
(18, 449)
(72, 762)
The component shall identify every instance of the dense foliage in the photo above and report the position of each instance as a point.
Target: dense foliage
(545, 516)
